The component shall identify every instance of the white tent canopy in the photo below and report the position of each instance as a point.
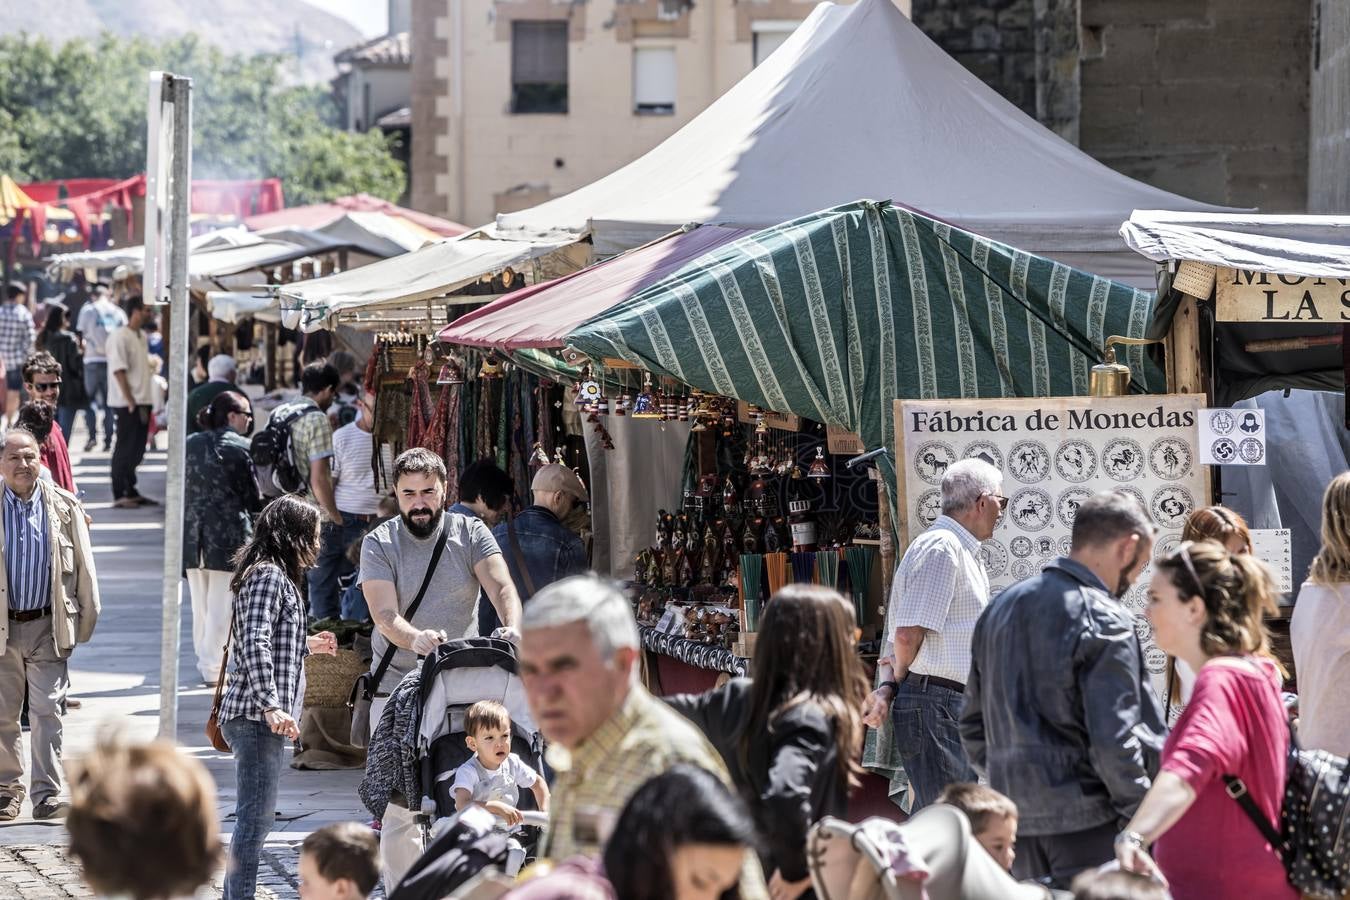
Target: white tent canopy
(434, 271)
(67, 264)
(860, 104)
(1317, 246)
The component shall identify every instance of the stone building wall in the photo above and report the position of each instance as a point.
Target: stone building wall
(1329, 114)
(1207, 98)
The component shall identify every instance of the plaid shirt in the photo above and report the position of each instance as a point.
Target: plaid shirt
(942, 586)
(594, 781)
(267, 646)
(311, 438)
(16, 334)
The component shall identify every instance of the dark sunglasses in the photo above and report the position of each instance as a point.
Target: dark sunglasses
(45, 386)
(1000, 499)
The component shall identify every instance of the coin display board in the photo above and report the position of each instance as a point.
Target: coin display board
(1054, 453)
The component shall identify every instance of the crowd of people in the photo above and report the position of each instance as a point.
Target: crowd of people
(1030, 734)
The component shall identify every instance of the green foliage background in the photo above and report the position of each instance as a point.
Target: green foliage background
(78, 111)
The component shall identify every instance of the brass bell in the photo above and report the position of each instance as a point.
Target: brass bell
(1110, 378)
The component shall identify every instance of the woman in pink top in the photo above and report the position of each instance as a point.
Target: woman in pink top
(1206, 608)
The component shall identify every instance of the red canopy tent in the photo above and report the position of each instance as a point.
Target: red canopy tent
(87, 198)
(543, 314)
(317, 215)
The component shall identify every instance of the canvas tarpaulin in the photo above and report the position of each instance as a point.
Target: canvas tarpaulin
(835, 315)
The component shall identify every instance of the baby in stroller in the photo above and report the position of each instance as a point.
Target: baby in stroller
(493, 776)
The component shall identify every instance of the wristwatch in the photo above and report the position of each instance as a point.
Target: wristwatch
(893, 685)
(1131, 837)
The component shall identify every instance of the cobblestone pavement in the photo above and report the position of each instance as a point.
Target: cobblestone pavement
(46, 873)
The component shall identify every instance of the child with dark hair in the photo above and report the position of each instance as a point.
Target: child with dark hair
(993, 818)
(339, 862)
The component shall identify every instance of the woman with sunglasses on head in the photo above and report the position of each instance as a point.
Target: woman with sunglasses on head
(1206, 607)
(221, 500)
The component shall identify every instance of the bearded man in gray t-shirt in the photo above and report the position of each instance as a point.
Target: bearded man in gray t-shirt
(394, 560)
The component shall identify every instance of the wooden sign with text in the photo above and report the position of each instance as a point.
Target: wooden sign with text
(781, 421)
(1241, 295)
(842, 441)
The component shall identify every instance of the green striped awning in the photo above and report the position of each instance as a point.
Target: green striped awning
(835, 315)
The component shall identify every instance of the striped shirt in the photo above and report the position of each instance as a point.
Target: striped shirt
(941, 586)
(28, 559)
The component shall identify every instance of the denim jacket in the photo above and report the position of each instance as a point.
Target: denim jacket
(1059, 714)
(552, 551)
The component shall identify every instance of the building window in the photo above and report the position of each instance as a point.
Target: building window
(654, 81)
(538, 67)
(769, 35)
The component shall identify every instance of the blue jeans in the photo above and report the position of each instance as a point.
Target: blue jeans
(925, 717)
(65, 418)
(96, 388)
(332, 564)
(258, 755)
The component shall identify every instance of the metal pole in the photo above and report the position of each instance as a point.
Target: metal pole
(176, 337)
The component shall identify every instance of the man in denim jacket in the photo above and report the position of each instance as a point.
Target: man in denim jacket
(549, 549)
(1058, 711)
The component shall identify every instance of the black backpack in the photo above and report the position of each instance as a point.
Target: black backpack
(272, 458)
(1313, 840)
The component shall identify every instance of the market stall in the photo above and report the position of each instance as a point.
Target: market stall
(1250, 307)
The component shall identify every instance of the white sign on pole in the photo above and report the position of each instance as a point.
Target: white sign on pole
(1272, 547)
(1055, 453)
(1233, 437)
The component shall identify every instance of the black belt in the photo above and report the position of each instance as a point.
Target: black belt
(925, 680)
(362, 517)
(28, 615)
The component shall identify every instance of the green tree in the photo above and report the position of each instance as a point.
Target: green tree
(78, 111)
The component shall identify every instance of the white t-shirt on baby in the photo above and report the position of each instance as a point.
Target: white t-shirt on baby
(504, 784)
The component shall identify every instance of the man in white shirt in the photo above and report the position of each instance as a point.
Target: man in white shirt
(131, 396)
(940, 589)
(358, 501)
(98, 319)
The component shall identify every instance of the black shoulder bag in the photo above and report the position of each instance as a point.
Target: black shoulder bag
(363, 692)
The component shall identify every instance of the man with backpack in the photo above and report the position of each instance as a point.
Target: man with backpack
(294, 452)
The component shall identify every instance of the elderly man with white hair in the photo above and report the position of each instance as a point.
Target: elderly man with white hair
(579, 663)
(221, 372)
(939, 591)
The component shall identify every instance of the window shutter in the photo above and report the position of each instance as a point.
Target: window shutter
(654, 78)
(538, 52)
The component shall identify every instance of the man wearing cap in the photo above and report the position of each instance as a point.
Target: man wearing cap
(538, 547)
(98, 318)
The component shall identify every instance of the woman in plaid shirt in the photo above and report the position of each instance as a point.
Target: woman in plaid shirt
(265, 686)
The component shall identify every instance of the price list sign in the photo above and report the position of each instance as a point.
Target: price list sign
(1272, 547)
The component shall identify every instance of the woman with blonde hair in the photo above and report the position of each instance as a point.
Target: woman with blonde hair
(791, 737)
(1320, 631)
(1207, 608)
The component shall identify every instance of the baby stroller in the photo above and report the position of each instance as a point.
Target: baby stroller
(459, 674)
(931, 855)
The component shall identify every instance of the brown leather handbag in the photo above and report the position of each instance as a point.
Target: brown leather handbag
(213, 733)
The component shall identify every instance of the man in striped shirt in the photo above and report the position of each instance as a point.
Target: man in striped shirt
(51, 594)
